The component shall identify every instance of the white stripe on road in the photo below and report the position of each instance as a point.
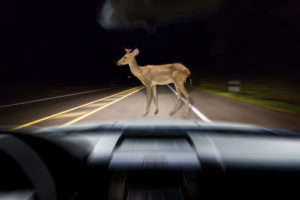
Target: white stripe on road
(195, 110)
(50, 98)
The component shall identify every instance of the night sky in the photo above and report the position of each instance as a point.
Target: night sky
(60, 41)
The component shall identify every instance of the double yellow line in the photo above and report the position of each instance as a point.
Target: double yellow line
(115, 99)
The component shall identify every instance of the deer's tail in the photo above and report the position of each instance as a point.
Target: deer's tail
(188, 72)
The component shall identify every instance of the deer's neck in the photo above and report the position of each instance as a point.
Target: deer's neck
(135, 68)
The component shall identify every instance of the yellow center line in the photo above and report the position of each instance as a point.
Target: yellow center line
(96, 105)
(68, 115)
(63, 112)
(98, 109)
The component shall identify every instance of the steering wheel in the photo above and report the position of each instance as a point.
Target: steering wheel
(31, 164)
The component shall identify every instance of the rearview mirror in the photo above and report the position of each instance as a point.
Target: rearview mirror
(128, 14)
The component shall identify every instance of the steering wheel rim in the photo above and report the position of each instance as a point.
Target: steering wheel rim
(32, 165)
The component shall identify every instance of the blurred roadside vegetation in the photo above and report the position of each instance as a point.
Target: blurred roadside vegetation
(277, 94)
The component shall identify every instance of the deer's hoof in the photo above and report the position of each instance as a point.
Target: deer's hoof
(172, 112)
(146, 113)
(186, 114)
(155, 112)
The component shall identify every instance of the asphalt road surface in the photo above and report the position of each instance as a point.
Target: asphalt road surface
(128, 103)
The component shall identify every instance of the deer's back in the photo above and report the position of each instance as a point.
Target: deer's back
(168, 67)
(164, 74)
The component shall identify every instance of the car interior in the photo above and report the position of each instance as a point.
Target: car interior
(123, 160)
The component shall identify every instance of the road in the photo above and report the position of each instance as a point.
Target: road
(129, 103)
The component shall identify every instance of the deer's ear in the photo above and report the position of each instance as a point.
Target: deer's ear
(136, 52)
(128, 50)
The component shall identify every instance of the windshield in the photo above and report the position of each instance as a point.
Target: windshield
(76, 62)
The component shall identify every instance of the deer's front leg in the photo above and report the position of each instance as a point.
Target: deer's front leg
(148, 88)
(155, 99)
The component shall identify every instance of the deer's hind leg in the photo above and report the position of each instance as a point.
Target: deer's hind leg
(187, 96)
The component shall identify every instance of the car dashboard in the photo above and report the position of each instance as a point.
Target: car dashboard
(149, 160)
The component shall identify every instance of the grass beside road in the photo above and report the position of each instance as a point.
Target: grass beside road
(262, 95)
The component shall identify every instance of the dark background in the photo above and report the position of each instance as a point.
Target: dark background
(59, 42)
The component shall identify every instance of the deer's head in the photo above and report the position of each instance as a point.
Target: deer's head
(127, 58)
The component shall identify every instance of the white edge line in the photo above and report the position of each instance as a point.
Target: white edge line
(50, 98)
(194, 109)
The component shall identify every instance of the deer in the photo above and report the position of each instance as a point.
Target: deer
(152, 75)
